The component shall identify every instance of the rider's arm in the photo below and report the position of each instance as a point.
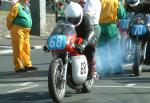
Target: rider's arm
(88, 26)
(11, 16)
(85, 30)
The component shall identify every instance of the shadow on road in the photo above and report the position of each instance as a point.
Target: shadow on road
(26, 97)
(11, 74)
(128, 78)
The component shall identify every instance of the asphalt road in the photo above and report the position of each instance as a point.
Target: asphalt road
(31, 87)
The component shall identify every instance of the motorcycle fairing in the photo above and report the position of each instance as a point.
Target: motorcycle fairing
(124, 23)
(62, 37)
(138, 25)
(61, 43)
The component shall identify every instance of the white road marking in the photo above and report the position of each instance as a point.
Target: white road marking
(14, 85)
(126, 86)
(37, 47)
(6, 47)
(10, 51)
(130, 85)
(6, 51)
(24, 84)
(16, 90)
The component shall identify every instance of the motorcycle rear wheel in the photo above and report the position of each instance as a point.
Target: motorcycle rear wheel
(56, 84)
(87, 86)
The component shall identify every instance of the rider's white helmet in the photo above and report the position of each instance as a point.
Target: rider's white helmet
(133, 3)
(74, 13)
(81, 1)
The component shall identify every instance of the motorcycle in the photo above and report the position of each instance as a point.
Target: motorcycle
(68, 66)
(136, 44)
(126, 41)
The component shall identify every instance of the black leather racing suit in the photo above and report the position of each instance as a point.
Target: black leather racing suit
(86, 31)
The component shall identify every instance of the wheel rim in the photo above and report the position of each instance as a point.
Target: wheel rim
(60, 84)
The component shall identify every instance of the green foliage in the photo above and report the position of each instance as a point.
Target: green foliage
(55, 7)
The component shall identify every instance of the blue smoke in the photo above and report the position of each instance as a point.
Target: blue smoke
(109, 63)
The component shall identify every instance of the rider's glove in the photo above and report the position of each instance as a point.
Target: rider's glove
(81, 47)
(45, 48)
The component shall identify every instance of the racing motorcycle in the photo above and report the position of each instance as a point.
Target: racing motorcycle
(136, 43)
(68, 66)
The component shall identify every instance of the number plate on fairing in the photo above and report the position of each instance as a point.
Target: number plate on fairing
(138, 30)
(124, 24)
(57, 42)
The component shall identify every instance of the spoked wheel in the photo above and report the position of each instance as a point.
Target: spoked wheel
(56, 84)
(88, 85)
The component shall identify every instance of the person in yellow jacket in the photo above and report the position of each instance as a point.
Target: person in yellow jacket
(19, 22)
(109, 43)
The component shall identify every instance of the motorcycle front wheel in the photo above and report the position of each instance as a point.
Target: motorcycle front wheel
(56, 84)
(137, 67)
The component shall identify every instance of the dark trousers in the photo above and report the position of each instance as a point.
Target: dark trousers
(90, 55)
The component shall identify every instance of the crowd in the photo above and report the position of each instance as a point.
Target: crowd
(96, 23)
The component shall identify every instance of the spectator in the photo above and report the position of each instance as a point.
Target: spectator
(109, 42)
(19, 23)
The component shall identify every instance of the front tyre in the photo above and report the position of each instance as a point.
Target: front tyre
(56, 84)
(137, 68)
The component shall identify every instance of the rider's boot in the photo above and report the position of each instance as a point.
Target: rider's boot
(92, 67)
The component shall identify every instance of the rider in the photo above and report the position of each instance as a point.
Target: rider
(139, 6)
(84, 29)
(93, 9)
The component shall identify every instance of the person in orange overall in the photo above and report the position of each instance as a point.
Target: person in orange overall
(19, 22)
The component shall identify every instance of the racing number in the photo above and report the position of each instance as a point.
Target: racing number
(83, 68)
(55, 41)
(139, 29)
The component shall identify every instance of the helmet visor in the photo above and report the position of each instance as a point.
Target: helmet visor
(132, 1)
(82, 2)
(74, 20)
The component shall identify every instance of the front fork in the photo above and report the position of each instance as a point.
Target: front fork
(65, 66)
(144, 51)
